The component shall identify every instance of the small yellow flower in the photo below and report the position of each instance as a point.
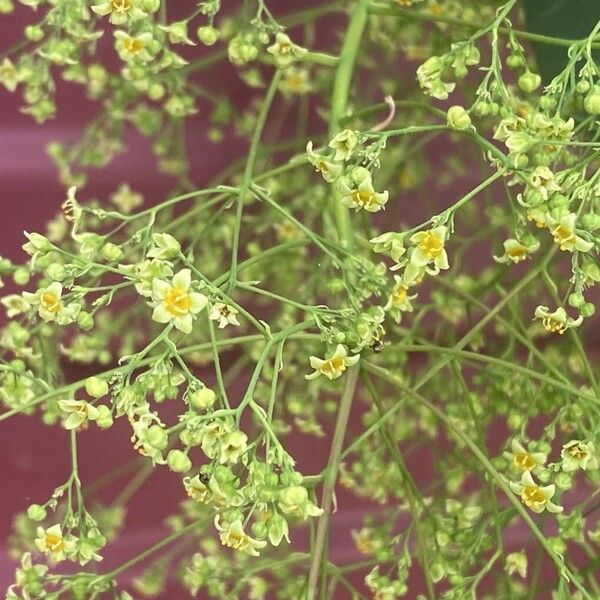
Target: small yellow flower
(233, 536)
(399, 300)
(329, 170)
(120, 11)
(9, 76)
(334, 366)
(557, 321)
(175, 302)
(563, 232)
(295, 81)
(578, 455)
(51, 306)
(133, 47)
(358, 192)
(533, 496)
(52, 542)
(516, 252)
(524, 460)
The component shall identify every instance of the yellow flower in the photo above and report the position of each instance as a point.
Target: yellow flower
(175, 302)
(516, 252)
(563, 231)
(524, 460)
(557, 321)
(233, 536)
(334, 366)
(51, 306)
(9, 76)
(578, 455)
(399, 300)
(133, 47)
(533, 496)
(52, 542)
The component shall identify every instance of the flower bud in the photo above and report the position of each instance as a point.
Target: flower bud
(112, 252)
(587, 310)
(178, 461)
(458, 118)
(34, 33)
(590, 221)
(36, 512)
(21, 276)
(529, 82)
(104, 418)
(576, 299)
(591, 103)
(208, 35)
(85, 320)
(202, 399)
(96, 387)
(157, 437)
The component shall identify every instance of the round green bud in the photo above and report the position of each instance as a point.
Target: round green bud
(178, 461)
(529, 82)
(150, 6)
(104, 419)
(112, 252)
(96, 387)
(259, 529)
(156, 91)
(56, 272)
(208, 35)
(6, 7)
(458, 118)
(21, 276)
(576, 299)
(271, 479)
(563, 481)
(482, 109)
(36, 512)
(591, 103)
(547, 102)
(85, 320)
(590, 221)
(18, 366)
(157, 437)
(202, 399)
(587, 310)
(34, 33)
(583, 86)
(514, 61)
(544, 475)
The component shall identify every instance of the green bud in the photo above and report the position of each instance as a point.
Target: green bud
(56, 271)
(591, 103)
(583, 86)
(590, 221)
(157, 437)
(34, 33)
(202, 399)
(104, 419)
(547, 102)
(208, 35)
(178, 461)
(36, 512)
(529, 82)
(85, 320)
(156, 91)
(150, 6)
(112, 252)
(259, 529)
(21, 276)
(587, 310)
(458, 118)
(576, 299)
(96, 387)
(514, 61)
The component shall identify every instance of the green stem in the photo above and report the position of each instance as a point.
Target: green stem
(247, 177)
(333, 464)
(339, 102)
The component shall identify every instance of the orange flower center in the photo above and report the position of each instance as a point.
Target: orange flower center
(532, 495)
(133, 45)
(54, 543)
(51, 302)
(431, 245)
(178, 302)
(524, 461)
